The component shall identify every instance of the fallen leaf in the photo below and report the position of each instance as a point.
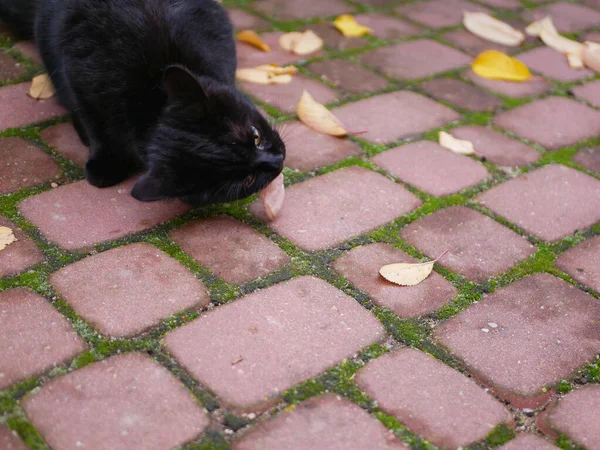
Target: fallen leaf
(575, 61)
(258, 76)
(349, 27)
(287, 40)
(535, 28)
(237, 361)
(272, 197)
(492, 29)
(41, 87)
(274, 69)
(317, 117)
(498, 66)
(301, 43)
(6, 237)
(456, 145)
(250, 37)
(547, 32)
(406, 274)
(591, 55)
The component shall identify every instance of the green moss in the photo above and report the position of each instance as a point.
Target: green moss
(564, 386)
(566, 444)
(26, 431)
(404, 330)
(211, 440)
(592, 371)
(403, 433)
(500, 435)
(235, 422)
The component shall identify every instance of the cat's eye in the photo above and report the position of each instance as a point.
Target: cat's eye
(257, 136)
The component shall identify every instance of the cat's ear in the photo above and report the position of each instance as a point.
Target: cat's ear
(181, 83)
(149, 188)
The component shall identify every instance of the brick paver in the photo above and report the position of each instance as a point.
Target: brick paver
(22, 110)
(261, 345)
(589, 92)
(9, 67)
(461, 94)
(20, 255)
(473, 45)
(540, 324)
(248, 56)
(583, 263)
(589, 158)
(35, 336)
(64, 138)
(553, 64)
(535, 86)
(126, 401)
(29, 50)
(439, 13)
(9, 440)
(285, 10)
(243, 20)
(333, 39)
(387, 27)
(567, 17)
(348, 76)
(528, 442)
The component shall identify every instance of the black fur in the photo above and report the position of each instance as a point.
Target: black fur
(150, 85)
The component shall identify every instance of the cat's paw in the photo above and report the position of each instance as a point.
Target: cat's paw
(102, 173)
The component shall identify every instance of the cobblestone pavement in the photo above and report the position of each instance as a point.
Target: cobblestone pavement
(150, 326)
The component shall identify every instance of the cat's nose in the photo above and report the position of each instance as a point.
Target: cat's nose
(271, 161)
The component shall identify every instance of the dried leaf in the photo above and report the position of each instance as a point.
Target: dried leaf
(456, 145)
(301, 43)
(317, 117)
(274, 69)
(41, 87)
(272, 197)
(349, 27)
(591, 55)
(258, 76)
(498, 66)
(575, 61)
(406, 274)
(250, 37)
(491, 29)
(287, 40)
(6, 237)
(535, 28)
(561, 43)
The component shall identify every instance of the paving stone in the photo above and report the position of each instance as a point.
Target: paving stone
(29, 50)
(243, 20)
(35, 336)
(530, 88)
(249, 56)
(552, 202)
(333, 39)
(332, 208)
(479, 246)
(593, 36)
(9, 67)
(393, 116)
(377, 3)
(293, 10)
(439, 13)
(541, 324)
(20, 255)
(589, 157)
(257, 347)
(285, 97)
(9, 440)
(473, 45)
(387, 27)
(461, 94)
(231, 250)
(577, 416)
(361, 267)
(583, 262)
(553, 122)
(348, 76)
(129, 289)
(125, 402)
(567, 17)
(592, 4)
(431, 168)
(528, 442)
(415, 59)
(325, 422)
(307, 149)
(503, 4)
(64, 138)
(497, 147)
(20, 110)
(590, 92)
(553, 64)
(80, 215)
(431, 399)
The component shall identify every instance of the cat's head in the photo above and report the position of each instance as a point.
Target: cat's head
(211, 145)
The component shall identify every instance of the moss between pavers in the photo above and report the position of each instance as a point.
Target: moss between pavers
(566, 444)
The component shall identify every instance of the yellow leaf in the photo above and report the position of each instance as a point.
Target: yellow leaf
(496, 65)
(250, 37)
(591, 56)
(6, 237)
(258, 76)
(274, 69)
(456, 145)
(535, 28)
(406, 274)
(41, 87)
(349, 27)
(491, 29)
(272, 197)
(301, 43)
(317, 117)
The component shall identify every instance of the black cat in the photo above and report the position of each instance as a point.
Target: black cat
(150, 85)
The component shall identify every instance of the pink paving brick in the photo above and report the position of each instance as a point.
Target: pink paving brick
(531, 88)
(473, 45)
(23, 165)
(307, 149)
(80, 215)
(583, 263)
(257, 347)
(503, 4)
(431, 399)
(361, 267)
(528, 442)
(552, 64)
(332, 38)
(348, 76)
(479, 246)
(20, 255)
(249, 56)
(286, 96)
(9, 440)
(551, 202)
(589, 158)
(394, 116)
(332, 208)
(539, 331)
(496, 147)
(231, 250)
(125, 402)
(576, 415)
(293, 10)
(243, 20)
(589, 92)
(127, 290)
(415, 59)
(439, 13)
(461, 94)
(20, 110)
(431, 168)
(29, 50)
(64, 138)
(326, 422)
(567, 17)
(387, 27)
(553, 122)
(9, 67)
(35, 336)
